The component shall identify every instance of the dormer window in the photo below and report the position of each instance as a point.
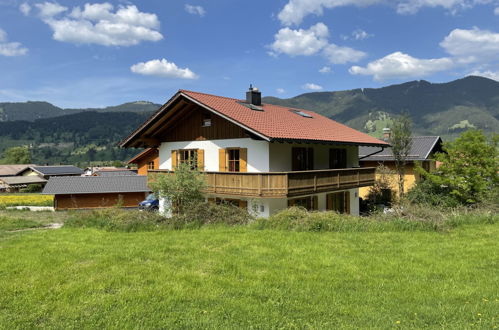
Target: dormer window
(206, 120)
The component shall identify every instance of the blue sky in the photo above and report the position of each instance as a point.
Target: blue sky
(92, 54)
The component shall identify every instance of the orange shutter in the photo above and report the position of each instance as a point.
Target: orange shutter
(222, 160)
(174, 159)
(200, 159)
(243, 160)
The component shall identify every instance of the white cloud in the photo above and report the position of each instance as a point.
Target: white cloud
(312, 87)
(25, 9)
(310, 42)
(360, 34)
(296, 10)
(473, 45)
(400, 65)
(301, 42)
(487, 74)
(98, 24)
(10, 48)
(162, 68)
(325, 69)
(280, 91)
(195, 10)
(341, 55)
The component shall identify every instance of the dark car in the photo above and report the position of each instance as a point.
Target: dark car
(151, 203)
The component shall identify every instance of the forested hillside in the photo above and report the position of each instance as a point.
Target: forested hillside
(436, 109)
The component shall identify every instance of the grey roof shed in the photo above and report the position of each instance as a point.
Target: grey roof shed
(96, 184)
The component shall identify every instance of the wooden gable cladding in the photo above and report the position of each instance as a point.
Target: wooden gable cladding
(188, 126)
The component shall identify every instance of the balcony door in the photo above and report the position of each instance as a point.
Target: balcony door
(302, 159)
(339, 202)
(337, 158)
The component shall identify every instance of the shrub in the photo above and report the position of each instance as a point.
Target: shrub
(432, 194)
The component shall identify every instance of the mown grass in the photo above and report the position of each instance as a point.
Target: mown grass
(27, 199)
(239, 277)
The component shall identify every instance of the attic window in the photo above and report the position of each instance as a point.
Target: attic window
(301, 113)
(206, 120)
(252, 106)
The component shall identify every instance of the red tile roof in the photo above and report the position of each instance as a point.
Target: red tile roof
(278, 122)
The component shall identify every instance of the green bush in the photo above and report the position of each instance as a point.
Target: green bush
(430, 193)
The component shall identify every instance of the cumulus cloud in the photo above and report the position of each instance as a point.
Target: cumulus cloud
(357, 34)
(487, 74)
(400, 65)
(310, 42)
(280, 91)
(10, 48)
(195, 10)
(25, 9)
(162, 68)
(312, 87)
(473, 45)
(296, 10)
(325, 69)
(99, 24)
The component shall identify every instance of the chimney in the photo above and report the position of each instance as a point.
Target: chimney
(254, 96)
(386, 134)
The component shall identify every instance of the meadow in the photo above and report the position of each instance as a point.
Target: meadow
(25, 199)
(249, 276)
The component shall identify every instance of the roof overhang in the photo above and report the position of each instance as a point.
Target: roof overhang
(283, 140)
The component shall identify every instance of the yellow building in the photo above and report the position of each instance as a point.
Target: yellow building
(422, 150)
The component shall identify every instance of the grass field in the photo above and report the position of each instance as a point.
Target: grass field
(239, 277)
(27, 199)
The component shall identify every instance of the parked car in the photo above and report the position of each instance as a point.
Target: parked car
(151, 203)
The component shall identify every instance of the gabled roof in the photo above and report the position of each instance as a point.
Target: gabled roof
(57, 170)
(16, 180)
(10, 170)
(116, 172)
(270, 122)
(422, 147)
(95, 184)
(146, 153)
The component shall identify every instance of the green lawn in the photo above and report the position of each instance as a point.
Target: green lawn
(220, 277)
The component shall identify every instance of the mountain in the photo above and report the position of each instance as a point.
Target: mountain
(443, 109)
(33, 110)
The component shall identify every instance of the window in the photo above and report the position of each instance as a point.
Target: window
(188, 156)
(302, 159)
(339, 202)
(337, 158)
(150, 165)
(234, 161)
(206, 120)
(309, 203)
(301, 113)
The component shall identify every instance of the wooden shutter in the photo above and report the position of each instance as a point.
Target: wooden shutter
(315, 203)
(200, 159)
(174, 159)
(222, 160)
(243, 160)
(243, 204)
(347, 202)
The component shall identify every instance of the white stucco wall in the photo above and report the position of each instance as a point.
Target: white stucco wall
(280, 155)
(258, 152)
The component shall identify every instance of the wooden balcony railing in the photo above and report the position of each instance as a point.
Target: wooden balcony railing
(286, 184)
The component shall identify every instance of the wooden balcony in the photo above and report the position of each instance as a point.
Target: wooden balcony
(286, 184)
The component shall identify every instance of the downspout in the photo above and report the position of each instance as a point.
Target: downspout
(374, 153)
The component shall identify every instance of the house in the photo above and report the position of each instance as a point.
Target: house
(114, 172)
(422, 150)
(146, 160)
(47, 172)
(15, 183)
(87, 192)
(260, 156)
(13, 170)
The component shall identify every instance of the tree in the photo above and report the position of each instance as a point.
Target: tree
(401, 142)
(469, 167)
(182, 189)
(17, 155)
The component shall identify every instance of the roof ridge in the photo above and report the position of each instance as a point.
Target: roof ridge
(222, 97)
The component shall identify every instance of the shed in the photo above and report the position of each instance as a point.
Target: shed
(14, 183)
(50, 171)
(86, 192)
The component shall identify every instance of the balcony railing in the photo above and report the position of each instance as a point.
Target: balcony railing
(285, 184)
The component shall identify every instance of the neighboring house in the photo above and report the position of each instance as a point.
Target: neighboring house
(15, 183)
(13, 170)
(114, 172)
(146, 160)
(260, 156)
(86, 192)
(47, 172)
(422, 150)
